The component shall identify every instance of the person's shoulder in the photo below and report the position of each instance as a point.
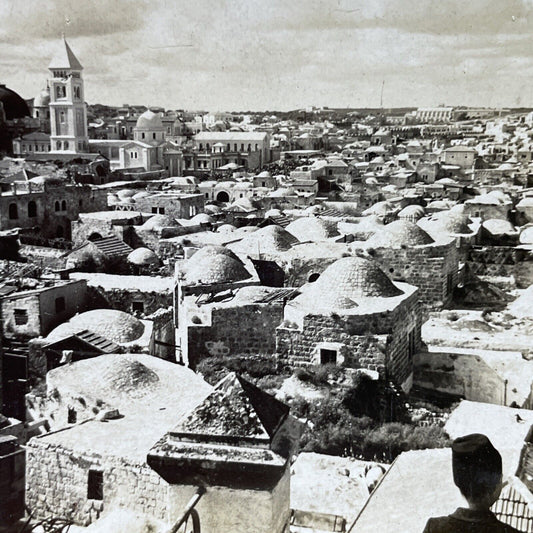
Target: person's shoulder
(440, 524)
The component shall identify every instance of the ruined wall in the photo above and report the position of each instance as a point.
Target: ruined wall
(57, 478)
(464, 374)
(247, 329)
(503, 261)
(124, 300)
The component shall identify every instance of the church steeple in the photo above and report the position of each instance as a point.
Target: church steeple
(68, 114)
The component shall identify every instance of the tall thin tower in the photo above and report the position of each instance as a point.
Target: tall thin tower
(68, 112)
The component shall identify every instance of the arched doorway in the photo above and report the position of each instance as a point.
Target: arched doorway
(94, 237)
(13, 212)
(222, 196)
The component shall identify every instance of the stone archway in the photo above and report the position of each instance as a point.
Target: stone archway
(222, 196)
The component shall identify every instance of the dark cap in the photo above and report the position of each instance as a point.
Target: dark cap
(475, 460)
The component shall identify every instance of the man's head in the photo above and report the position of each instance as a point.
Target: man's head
(477, 469)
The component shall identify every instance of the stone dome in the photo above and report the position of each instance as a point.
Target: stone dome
(312, 229)
(497, 226)
(400, 233)
(160, 221)
(143, 257)
(526, 235)
(214, 264)
(346, 281)
(212, 209)
(14, 105)
(446, 222)
(201, 218)
(270, 239)
(42, 99)
(226, 228)
(149, 121)
(114, 325)
(412, 211)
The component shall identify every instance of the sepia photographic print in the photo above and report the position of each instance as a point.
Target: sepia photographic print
(266, 267)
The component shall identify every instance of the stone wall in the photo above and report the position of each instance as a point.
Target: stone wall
(57, 482)
(426, 267)
(124, 299)
(246, 329)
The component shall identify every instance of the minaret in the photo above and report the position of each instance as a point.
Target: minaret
(68, 113)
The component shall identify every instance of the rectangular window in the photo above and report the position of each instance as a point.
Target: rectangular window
(154, 209)
(95, 485)
(328, 356)
(21, 316)
(72, 416)
(60, 304)
(161, 210)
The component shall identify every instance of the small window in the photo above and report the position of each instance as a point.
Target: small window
(95, 485)
(13, 212)
(153, 135)
(72, 416)
(154, 209)
(161, 211)
(137, 307)
(60, 304)
(313, 277)
(328, 356)
(63, 205)
(57, 207)
(21, 316)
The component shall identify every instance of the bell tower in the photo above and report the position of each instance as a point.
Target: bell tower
(68, 113)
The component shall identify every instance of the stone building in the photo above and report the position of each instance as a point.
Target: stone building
(353, 315)
(48, 205)
(104, 457)
(407, 253)
(211, 318)
(164, 445)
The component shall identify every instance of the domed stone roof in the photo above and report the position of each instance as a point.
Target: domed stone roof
(400, 233)
(14, 105)
(149, 121)
(214, 264)
(159, 222)
(212, 209)
(526, 235)
(42, 99)
(497, 226)
(270, 239)
(345, 282)
(446, 222)
(143, 257)
(312, 229)
(201, 218)
(114, 325)
(226, 228)
(412, 211)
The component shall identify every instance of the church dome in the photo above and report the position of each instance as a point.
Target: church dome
(149, 121)
(14, 105)
(42, 99)
(345, 282)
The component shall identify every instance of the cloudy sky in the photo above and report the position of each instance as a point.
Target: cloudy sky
(277, 54)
